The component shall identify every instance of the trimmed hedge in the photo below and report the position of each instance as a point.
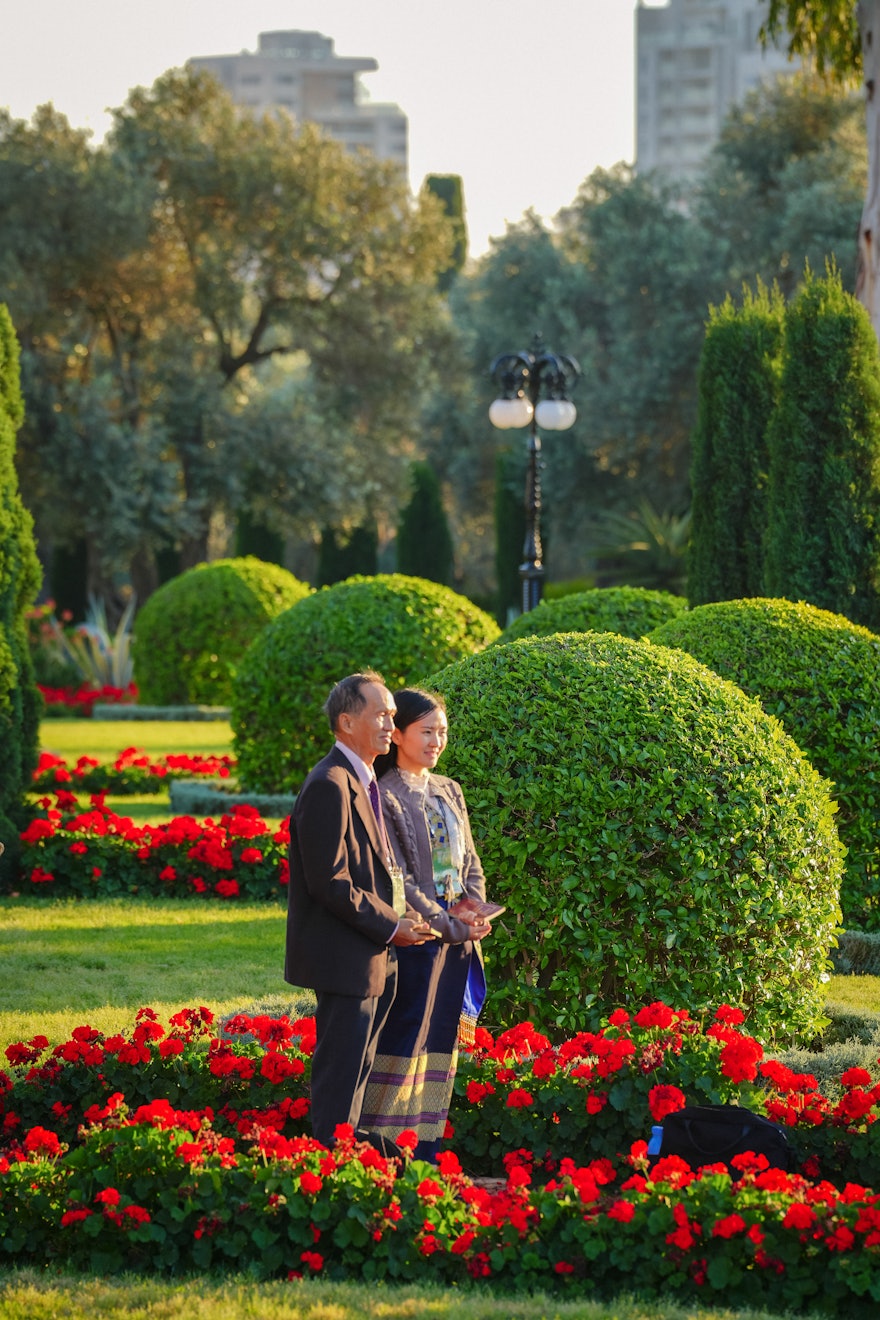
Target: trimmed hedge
(404, 627)
(654, 834)
(191, 634)
(820, 675)
(629, 611)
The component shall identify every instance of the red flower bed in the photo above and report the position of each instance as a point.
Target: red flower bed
(186, 1149)
(94, 852)
(131, 772)
(82, 700)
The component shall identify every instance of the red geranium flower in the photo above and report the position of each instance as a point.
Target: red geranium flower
(664, 1100)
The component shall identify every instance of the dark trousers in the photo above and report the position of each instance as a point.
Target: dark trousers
(347, 1033)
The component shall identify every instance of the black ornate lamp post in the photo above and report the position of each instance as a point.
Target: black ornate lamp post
(533, 391)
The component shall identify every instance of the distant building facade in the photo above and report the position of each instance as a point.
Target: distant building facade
(299, 72)
(695, 59)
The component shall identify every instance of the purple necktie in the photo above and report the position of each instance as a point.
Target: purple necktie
(374, 802)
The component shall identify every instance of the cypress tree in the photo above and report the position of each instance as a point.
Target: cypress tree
(340, 558)
(68, 572)
(450, 191)
(823, 500)
(510, 532)
(19, 584)
(738, 389)
(424, 541)
(257, 538)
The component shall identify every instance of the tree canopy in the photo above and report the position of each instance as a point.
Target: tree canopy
(152, 314)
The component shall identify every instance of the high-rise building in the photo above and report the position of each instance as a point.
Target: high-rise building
(695, 59)
(299, 72)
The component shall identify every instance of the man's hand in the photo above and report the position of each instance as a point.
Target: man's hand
(412, 930)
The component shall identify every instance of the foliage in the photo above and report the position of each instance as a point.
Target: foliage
(510, 531)
(783, 186)
(651, 831)
(643, 548)
(19, 583)
(68, 850)
(98, 657)
(826, 30)
(629, 611)
(342, 556)
(404, 627)
(650, 270)
(823, 489)
(191, 634)
(738, 385)
(819, 675)
(424, 541)
(190, 1155)
(449, 191)
(197, 247)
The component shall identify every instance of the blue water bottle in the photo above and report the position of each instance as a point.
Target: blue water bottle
(656, 1139)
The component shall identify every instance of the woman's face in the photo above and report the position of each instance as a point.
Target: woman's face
(419, 745)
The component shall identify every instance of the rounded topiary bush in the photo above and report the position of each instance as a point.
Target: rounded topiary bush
(404, 627)
(191, 634)
(820, 675)
(654, 834)
(629, 611)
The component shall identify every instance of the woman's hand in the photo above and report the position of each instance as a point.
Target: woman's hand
(479, 927)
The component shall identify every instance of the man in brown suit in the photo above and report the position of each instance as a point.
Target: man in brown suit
(346, 911)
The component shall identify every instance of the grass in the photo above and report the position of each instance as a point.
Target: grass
(69, 961)
(105, 739)
(66, 962)
(27, 1295)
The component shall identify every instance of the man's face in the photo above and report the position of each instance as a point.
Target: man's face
(368, 731)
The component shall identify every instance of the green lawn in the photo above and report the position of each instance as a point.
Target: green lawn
(105, 739)
(27, 1295)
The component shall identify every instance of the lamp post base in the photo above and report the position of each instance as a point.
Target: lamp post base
(532, 579)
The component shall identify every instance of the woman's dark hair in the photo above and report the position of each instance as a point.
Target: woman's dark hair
(412, 704)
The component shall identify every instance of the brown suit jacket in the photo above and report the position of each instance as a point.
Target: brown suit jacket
(339, 914)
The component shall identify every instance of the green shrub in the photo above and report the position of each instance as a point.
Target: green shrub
(191, 633)
(820, 675)
(402, 626)
(629, 611)
(654, 834)
(553, 590)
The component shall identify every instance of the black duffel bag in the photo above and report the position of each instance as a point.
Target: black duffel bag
(713, 1134)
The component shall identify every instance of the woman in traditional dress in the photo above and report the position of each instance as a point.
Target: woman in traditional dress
(441, 986)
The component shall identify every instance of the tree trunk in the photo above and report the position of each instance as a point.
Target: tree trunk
(868, 277)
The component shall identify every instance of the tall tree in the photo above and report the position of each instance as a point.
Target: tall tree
(823, 495)
(783, 185)
(251, 243)
(424, 541)
(843, 39)
(19, 583)
(449, 191)
(738, 393)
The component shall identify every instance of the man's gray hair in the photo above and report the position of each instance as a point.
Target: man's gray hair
(348, 697)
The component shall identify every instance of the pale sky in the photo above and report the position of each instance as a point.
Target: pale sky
(522, 99)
